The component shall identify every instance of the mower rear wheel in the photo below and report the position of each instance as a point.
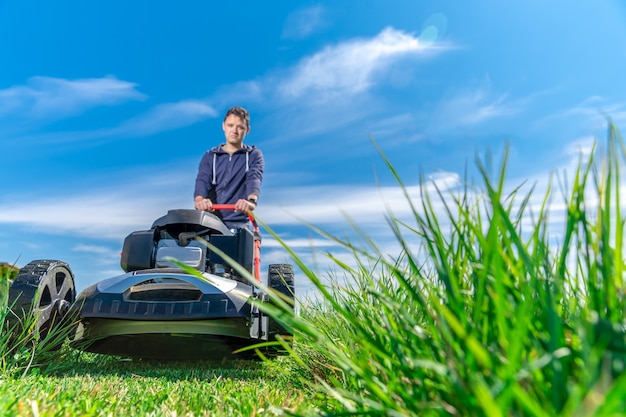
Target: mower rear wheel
(45, 289)
(281, 279)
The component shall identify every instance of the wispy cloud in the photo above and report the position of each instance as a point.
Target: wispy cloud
(168, 116)
(304, 22)
(134, 205)
(595, 110)
(299, 243)
(45, 98)
(99, 210)
(161, 118)
(399, 128)
(338, 71)
(317, 95)
(349, 67)
(95, 249)
(471, 107)
(71, 215)
(581, 147)
(366, 204)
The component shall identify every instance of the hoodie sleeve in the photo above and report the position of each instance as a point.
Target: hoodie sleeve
(254, 176)
(203, 179)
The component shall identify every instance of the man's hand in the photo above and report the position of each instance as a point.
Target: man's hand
(201, 203)
(244, 205)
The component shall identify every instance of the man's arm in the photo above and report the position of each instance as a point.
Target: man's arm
(203, 183)
(252, 183)
(254, 176)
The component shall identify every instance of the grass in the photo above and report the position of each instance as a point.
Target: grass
(100, 386)
(485, 311)
(22, 350)
(483, 317)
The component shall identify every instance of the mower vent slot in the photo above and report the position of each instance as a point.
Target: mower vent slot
(163, 292)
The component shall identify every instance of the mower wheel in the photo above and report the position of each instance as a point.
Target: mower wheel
(280, 279)
(45, 289)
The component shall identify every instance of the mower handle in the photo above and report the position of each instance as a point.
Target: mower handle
(223, 206)
(232, 207)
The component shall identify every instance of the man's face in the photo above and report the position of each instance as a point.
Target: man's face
(235, 130)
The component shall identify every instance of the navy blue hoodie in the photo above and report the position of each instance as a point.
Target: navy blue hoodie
(225, 178)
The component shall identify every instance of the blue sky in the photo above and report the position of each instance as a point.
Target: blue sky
(107, 107)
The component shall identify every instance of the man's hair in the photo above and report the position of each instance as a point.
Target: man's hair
(239, 112)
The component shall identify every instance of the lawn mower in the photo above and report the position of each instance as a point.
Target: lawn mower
(177, 298)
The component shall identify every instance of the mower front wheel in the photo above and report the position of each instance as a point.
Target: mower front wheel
(43, 291)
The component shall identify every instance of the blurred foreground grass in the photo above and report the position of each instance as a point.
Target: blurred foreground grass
(484, 317)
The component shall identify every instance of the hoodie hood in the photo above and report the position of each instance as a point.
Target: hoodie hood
(246, 148)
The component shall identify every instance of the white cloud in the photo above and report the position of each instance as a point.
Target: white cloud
(168, 116)
(470, 108)
(390, 126)
(112, 212)
(337, 203)
(338, 71)
(53, 98)
(100, 211)
(100, 256)
(595, 110)
(74, 215)
(581, 147)
(46, 98)
(161, 118)
(302, 23)
(349, 67)
(297, 243)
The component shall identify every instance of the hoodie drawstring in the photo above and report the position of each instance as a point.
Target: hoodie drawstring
(214, 181)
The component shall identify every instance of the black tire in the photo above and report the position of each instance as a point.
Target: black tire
(281, 279)
(44, 288)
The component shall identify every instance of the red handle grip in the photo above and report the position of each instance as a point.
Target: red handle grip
(232, 207)
(223, 206)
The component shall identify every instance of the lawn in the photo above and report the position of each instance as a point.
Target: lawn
(92, 385)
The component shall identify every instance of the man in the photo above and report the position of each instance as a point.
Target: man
(231, 173)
